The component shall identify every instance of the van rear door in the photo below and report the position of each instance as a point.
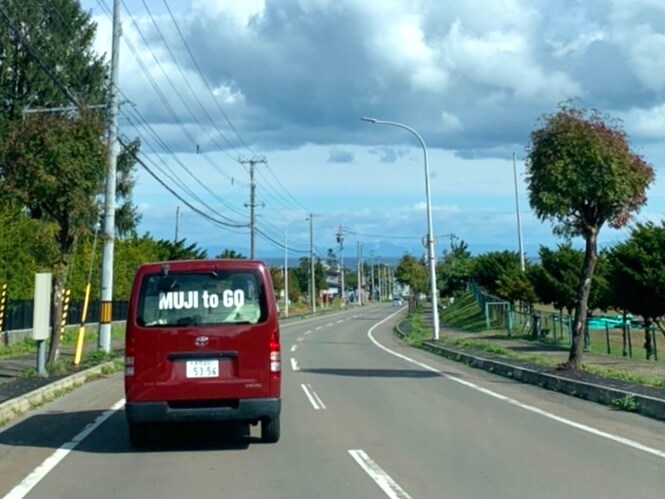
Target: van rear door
(201, 334)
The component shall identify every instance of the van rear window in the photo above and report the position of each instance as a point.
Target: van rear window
(202, 298)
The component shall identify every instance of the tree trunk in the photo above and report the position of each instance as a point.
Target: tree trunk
(648, 347)
(624, 329)
(582, 302)
(56, 312)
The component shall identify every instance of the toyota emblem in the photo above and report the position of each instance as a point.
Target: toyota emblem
(201, 341)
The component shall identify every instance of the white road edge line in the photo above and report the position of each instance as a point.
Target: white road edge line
(382, 479)
(294, 347)
(531, 408)
(313, 397)
(316, 397)
(294, 364)
(38, 474)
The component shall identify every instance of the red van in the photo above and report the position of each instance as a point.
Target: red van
(202, 344)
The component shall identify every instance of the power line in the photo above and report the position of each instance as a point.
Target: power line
(172, 191)
(168, 48)
(203, 78)
(165, 102)
(176, 180)
(73, 99)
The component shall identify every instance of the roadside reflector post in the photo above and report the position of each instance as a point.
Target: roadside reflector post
(81, 335)
(41, 317)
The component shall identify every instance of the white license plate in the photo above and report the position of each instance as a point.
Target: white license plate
(202, 368)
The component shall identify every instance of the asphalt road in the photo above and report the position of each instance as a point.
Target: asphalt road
(358, 421)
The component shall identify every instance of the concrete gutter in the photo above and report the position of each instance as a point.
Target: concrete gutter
(646, 405)
(17, 406)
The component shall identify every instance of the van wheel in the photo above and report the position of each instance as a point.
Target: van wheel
(138, 434)
(270, 430)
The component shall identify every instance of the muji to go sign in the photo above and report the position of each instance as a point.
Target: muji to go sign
(177, 300)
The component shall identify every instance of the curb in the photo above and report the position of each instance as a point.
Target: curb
(17, 406)
(645, 405)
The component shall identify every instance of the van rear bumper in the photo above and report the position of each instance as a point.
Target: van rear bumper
(161, 412)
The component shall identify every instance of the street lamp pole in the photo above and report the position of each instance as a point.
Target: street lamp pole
(286, 273)
(431, 256)
(519, 221)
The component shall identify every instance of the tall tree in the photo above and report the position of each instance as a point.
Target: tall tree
(454, 269)
(51, 159)
(231, 253)
(637, 277)
(499, 273)
(412, 272)
(54, 168)
(581, 174)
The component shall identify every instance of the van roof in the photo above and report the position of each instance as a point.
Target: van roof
(184, 265)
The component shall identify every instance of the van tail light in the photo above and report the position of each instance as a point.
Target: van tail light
(275, 354)
(129, 365)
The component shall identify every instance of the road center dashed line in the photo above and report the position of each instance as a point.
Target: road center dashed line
(340, 321)
(588, 429)
(40, 472)
(382, 479)
(294, 347)
(329, 324)
(313, 397)
(318, 327)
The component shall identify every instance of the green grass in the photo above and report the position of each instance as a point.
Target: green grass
(18, 349)
(489, 347)
(627, 403)
(464, 313)
(69, 338)
(418, 332)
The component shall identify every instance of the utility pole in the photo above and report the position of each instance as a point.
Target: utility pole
(252, 202)
(286, 274)
(373, 290)
(359, 273)
(519, 221)
(177, 219)
(312, 283)
(104, 338)
(340, 240)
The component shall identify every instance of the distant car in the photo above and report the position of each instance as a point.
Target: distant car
(397, 302)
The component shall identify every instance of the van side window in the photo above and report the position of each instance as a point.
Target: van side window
(206, 298)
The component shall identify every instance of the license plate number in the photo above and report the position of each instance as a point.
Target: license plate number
(202, 368)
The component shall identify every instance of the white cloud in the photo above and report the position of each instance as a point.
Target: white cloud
(646, 124)
(472, 77)
(451, 123)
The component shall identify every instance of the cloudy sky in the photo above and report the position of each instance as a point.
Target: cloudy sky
(206, 82)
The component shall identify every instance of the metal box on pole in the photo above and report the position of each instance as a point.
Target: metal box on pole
(41, 317)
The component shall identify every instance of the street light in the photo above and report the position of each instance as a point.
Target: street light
(430, 233)
(519, 222)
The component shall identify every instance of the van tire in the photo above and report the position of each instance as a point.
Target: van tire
(139, 435)
(270, 430)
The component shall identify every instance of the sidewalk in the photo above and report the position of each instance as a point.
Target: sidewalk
(582, 383)
(15, 382)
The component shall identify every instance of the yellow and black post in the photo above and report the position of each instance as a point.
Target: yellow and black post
(3, 300)
(65, 310)
(105, 313)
